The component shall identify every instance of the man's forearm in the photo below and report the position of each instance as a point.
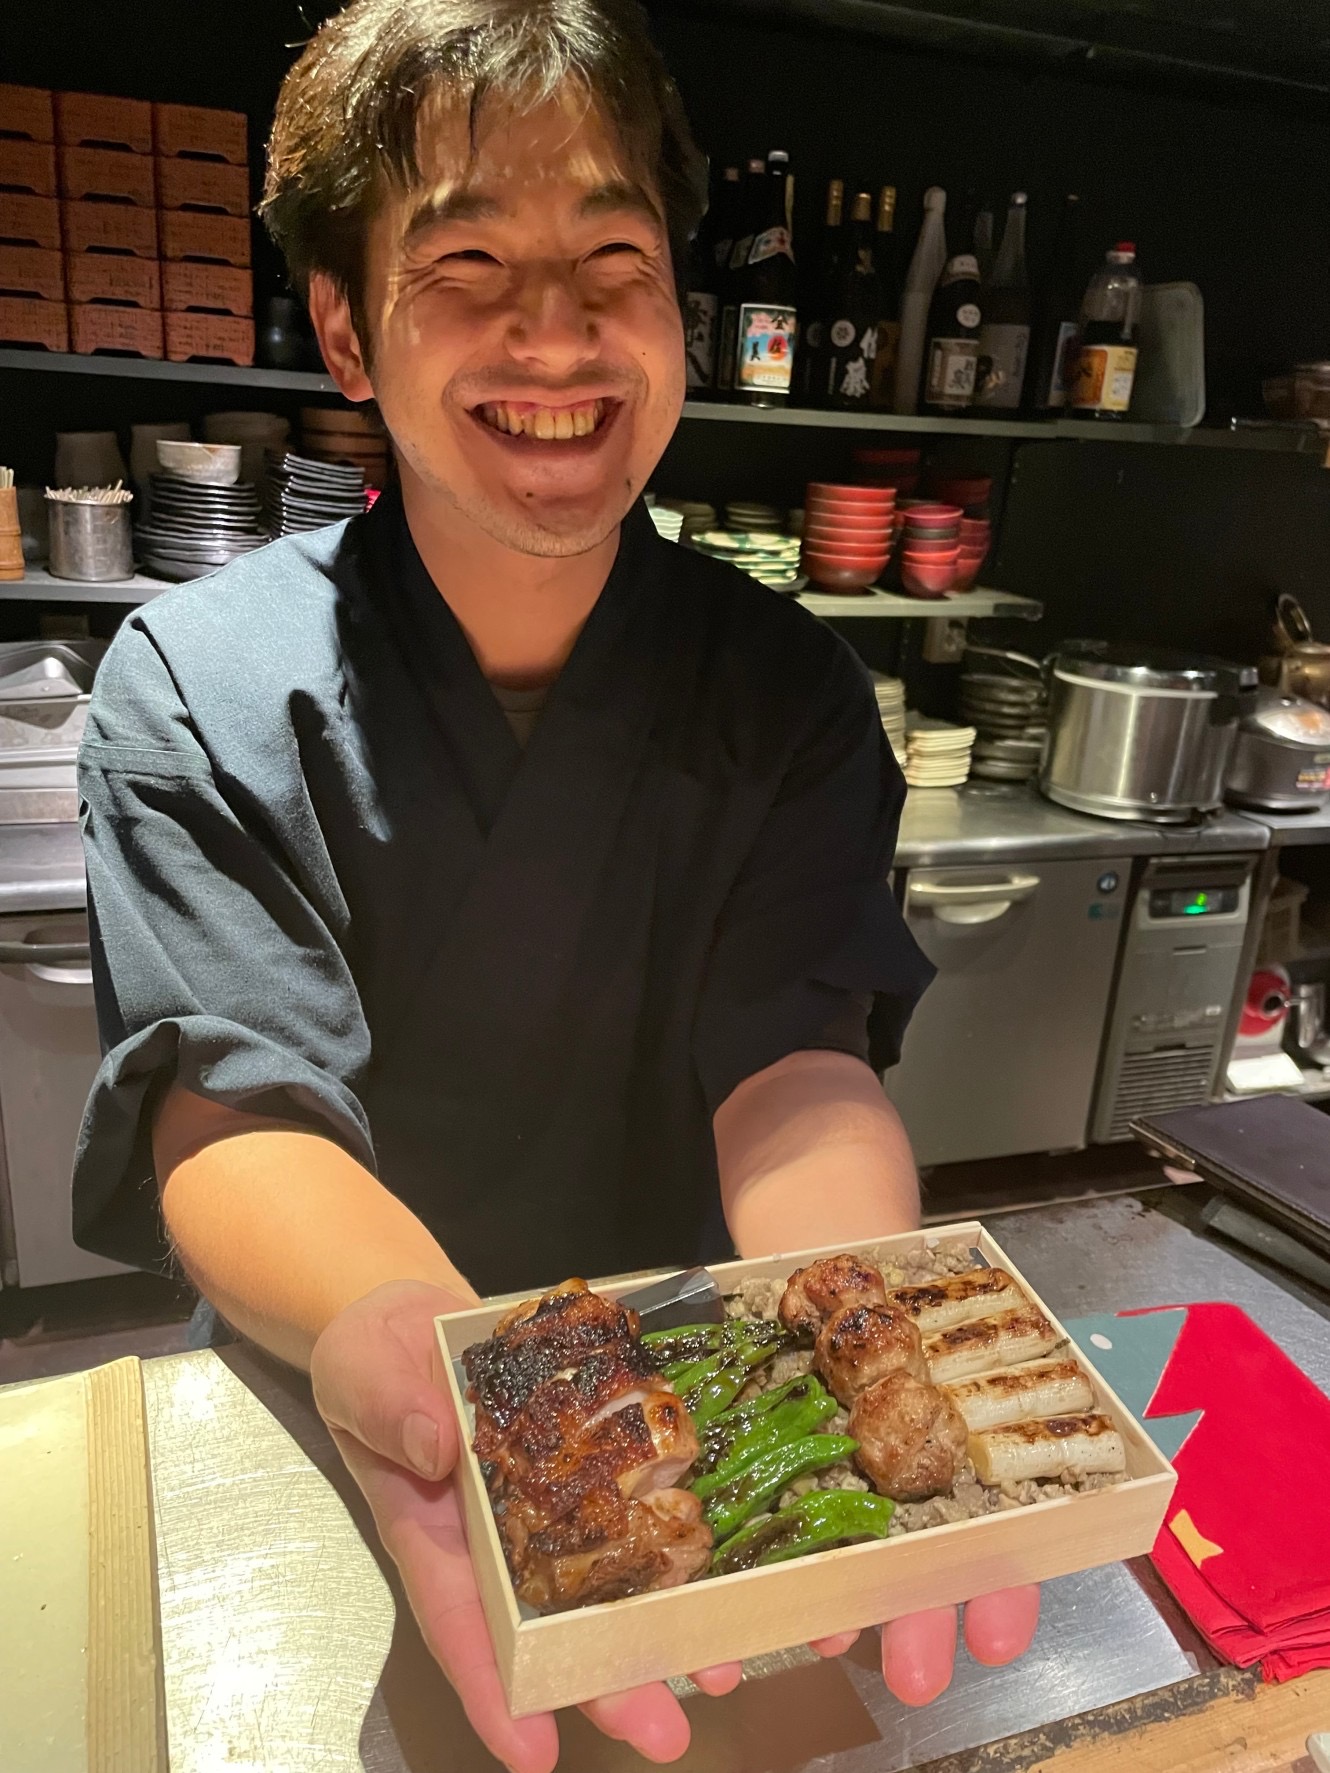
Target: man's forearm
(282, 1229)
(810, 1153)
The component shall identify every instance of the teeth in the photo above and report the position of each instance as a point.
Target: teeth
(547, 423)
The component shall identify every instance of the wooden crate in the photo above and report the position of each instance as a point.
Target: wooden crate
(201, 132)
(30, 221)
(203, 184)
(32, 271)
(133, 331)
(113, 277)
(108, 173)
(24, 321)
(210, 338)
(27, 111)
(222, 238)
(207, 289)
(110, 227)
(95, 120)
(27, 166)
(568, 1658)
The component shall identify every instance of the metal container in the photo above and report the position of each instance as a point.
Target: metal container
(1137, 734)
(1281, 761)
(90, 541)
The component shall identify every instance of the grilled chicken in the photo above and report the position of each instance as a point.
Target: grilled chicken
(581, 1443)
(813, 1293)
(861, 1344)
(911, 1437)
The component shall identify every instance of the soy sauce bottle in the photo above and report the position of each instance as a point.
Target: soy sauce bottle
(1110, 313)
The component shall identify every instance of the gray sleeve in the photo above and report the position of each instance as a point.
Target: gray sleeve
(214, 963)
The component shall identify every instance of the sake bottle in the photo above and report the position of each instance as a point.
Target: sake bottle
(930, 255)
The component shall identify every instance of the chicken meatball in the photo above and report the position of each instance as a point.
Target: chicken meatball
(861, 1344)
(911, 1437)
(813, 1293)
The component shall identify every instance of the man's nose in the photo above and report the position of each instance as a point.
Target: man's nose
(553, 327)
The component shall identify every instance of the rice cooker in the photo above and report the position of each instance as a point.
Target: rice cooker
(1137, 733)
(1281, 759)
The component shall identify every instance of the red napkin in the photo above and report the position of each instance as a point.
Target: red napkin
(1246, 1543)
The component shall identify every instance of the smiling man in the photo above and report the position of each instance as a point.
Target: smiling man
(486, 891)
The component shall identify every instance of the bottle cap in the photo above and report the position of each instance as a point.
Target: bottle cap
(1127, 246)
(778, 156)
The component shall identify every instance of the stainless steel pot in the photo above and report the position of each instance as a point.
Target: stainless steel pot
(1281, 761)
(1137, 734)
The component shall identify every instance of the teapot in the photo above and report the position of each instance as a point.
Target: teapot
(1301, 666)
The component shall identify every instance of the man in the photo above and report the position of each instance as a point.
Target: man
(487, 891)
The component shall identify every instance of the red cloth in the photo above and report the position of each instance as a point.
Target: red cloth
(1254, 1483)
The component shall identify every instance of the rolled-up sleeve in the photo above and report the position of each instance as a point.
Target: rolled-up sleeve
(216, 957)
(811, 923)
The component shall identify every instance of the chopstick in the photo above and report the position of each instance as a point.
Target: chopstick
(6, 479)
(118, 494)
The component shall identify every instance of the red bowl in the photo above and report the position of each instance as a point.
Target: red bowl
(815, 557)
(828, 542)
(968, 553)
(854, 495)
(853, 516)
(930, 511)
(827, 577)
(966, 576)
(961, 491)
(925, 547)
(976, 527)
(928, 581)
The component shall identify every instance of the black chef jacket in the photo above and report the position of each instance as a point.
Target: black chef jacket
(327, 884)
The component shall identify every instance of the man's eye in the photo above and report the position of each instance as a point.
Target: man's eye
(472, 256)
(616, 248)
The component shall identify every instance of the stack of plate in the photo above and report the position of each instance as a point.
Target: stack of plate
(301, 494)
(1004, 695)
(937, 753)
(770, 558)
(343, 434)
(195, 528)
(668, 523)
(890, 692)
(696, 515)
(742, 514)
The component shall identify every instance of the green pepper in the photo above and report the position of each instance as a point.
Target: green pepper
(709, 1395)
(739, 1415)
(690, 1342)
(730, 1506)
(720, 1460)
(684, 1375)
(815, 1522)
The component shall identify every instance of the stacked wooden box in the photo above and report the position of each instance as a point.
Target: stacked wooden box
(149, 205)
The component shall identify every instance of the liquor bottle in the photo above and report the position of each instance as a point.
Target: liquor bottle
(1004, 342)
(855, 312)
(930, 256)
(1058, 308)
(702, 295)
(823, 278)
(1106, 361)
(748, 208)
(984, 227)
(765, 300)
(952, 355)
(889, 325)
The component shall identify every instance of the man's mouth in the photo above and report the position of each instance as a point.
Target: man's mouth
(547, 424)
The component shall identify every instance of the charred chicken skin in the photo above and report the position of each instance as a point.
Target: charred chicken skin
(813, 1293)
(581, 1443)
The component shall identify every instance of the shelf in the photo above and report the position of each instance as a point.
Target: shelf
(38, 585)
(961, 606)
(144, 369)
(1244, 434)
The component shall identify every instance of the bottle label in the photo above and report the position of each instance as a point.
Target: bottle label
(951, 371)
(842, 333)
(700, 338)
(729, 332)
(768, 243)
(739, 252)
(1001, 373)
(765, 351)
(1104, 378)
(968, 314)
(884, 364)
(850, 372)
(815, 334)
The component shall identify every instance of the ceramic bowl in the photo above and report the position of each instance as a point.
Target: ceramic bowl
(944, 547)
(852, 495)
(838, 532)
(928, 580)
(829, 577)
(207, 464)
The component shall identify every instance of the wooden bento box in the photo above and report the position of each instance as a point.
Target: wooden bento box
(567, 1658)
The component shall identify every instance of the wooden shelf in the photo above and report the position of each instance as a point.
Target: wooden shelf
(961, 606)
(1243, 435)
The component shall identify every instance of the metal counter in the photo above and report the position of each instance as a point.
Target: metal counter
(41, 868)
(275, 1623)
(990, 822)
(1284, 829)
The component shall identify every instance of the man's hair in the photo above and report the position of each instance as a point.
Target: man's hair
(349, 112)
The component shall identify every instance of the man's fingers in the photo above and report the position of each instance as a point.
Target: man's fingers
(918, 1655)
(724, 1678)
(837, 1646)
(649, 1719)
(999, 1627)
(377, 1384)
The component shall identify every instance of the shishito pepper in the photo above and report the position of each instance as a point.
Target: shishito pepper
(708, 1395)
(730, 1506)
(690, 1342)
(721, 1460)
(739, 1415)
(815, 1522)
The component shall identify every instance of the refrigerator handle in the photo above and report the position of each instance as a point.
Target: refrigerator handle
(26, 954)
(970, 902)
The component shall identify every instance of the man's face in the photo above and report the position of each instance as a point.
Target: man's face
(527, 348)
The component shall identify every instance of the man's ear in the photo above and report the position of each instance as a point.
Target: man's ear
(330, 312)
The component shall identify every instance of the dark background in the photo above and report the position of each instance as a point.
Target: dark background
(1220, 178)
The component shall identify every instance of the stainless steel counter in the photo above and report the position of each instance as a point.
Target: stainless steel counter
(1292, 828)
(273, 1623)
(990, 822)
(41, 868)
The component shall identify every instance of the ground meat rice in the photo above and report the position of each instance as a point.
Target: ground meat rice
(968, 1499)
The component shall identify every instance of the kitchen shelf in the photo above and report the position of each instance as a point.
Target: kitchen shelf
(1289, 439)
(38, 585)
(961, 606)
